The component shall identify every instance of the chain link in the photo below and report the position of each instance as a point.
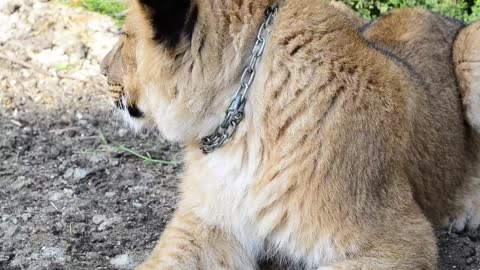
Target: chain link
(236, 109)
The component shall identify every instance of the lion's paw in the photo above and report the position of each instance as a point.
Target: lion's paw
(468, 215)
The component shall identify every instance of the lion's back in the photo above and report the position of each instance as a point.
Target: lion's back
(422, 42)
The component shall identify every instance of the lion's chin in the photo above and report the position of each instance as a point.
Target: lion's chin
(136, 124)
(132, 116)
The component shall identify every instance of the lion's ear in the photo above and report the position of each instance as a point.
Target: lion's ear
(170, 19)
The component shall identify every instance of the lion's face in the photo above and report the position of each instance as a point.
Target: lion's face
(120, 67)
(177, 63)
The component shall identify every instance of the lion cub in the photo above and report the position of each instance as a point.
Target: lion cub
(350, 149)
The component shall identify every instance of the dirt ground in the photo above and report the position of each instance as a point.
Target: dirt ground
(72, 196)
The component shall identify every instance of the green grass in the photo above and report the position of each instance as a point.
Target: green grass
(466, 10)
(64, 66)
(123, 149)
(112, 8)
(106, 147)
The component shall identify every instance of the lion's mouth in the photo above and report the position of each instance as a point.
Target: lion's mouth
(117, 93)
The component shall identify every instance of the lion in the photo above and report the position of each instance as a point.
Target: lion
(335, 143)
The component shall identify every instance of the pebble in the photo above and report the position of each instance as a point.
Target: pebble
(56, 196)
(122, 132)
(97, 219)
(122, 261)
(27, 129)
(110, 194)
(26, 217)
(80, 174)
(137, 205)
(11, 230)
(68, 192)
(12, 8)
(53, 253)
(55, 152)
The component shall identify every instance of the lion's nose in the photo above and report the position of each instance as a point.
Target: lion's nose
(104, 66)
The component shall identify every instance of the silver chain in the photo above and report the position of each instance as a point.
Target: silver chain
(236, 109)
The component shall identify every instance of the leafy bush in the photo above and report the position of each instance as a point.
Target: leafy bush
(466, 10)
(113, 8)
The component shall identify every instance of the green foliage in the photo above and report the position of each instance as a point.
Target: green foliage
(108, 148)
(466, 10)
(475, 15)
(64, 66)
(113, 8)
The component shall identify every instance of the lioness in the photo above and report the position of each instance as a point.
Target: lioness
(342, 147)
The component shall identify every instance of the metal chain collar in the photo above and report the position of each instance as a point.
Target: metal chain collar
(236, 109)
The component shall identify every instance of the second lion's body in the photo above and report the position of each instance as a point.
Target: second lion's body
(353, 146)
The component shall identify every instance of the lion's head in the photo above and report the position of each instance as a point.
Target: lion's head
(177, 63)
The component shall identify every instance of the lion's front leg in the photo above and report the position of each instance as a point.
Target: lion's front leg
(187, 243)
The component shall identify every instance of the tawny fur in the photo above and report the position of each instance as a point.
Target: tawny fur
(353, 147)
(466, 55)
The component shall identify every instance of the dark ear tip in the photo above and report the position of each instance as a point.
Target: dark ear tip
(170, 19)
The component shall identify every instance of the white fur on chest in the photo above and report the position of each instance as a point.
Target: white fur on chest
(227, 177)
(220, 182)
(226, 181)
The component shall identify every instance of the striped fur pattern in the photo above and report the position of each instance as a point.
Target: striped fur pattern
(353, 147)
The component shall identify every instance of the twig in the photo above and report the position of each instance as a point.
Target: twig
(61, 76)
(59, 131)
(147, 158)
(15, 122)
(87, 138)
(121, 148)
(25, 64)
(54, 206)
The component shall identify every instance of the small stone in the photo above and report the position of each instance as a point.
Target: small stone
(55, 152)
(83, 122)
(12, 8)
(21, 183)
(97, 219)
(27, 130)
(11, 230)
(14, 220)
(114, 162)
(122, 261)
(97, 158)
(79, 216)
(69, 173)
(26, 217)
(54, 254)
(80, 174)
(68, 192)
(122, 132)
(104, 225)
(56, 196)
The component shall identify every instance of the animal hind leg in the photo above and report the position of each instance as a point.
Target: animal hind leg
(408, 245)
(466, 56)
